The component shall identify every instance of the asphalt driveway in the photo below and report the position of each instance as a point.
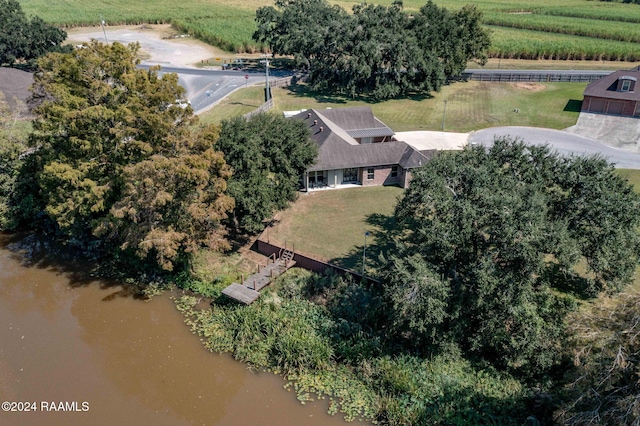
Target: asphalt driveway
(564, 143)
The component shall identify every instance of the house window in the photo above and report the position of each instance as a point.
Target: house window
(370, 174)
(317, 179)
(350, 175)
(626, 86)
(394, 171)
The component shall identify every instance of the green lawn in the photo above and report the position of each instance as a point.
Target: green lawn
(330, 225)
(633, 176)
(470, 106)
(239, 102)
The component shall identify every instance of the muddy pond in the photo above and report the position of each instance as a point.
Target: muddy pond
(76, 351)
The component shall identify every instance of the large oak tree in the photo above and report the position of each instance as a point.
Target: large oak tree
(268, 154)
(24, 39)
(492, 241)
(378, 51)
(119, 159)
(13, 143)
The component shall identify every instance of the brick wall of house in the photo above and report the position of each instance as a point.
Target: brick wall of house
(381, 176)
(610, 106)
(630, 109)
(405, 177)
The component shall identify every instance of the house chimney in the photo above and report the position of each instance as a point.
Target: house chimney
(308, 115)
(321, 128)
(315, 122)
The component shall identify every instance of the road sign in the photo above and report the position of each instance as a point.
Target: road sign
(246, 76)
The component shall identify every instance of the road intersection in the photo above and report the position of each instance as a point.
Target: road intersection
(206, 87)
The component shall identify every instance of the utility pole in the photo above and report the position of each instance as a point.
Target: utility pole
(103, 30)
(364, 252)
(267, 88)
(444, 114)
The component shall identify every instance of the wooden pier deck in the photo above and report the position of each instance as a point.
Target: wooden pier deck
(249, 290)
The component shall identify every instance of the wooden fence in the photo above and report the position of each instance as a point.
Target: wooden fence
(276, 82)
(314, 265)
(262, 108)
(538, 77)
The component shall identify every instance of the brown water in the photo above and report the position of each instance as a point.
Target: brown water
(65, 339)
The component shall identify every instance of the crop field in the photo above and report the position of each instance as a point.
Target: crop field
(527, 44)
(571, 29)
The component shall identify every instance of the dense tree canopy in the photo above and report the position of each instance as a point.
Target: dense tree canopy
(25, 39)
(13, 143)
(119, 158)
(604, 387)
(486, 235)
(378, 50)
(268, 154)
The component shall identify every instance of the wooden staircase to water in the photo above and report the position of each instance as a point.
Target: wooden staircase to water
(249, 290)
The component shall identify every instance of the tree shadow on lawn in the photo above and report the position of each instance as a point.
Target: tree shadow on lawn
(380, 226)
(578, 286)
(303, 91)
(573, 105)
(252, 105)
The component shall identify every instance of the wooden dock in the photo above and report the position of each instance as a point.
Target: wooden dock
(241, 293)
(248, 291)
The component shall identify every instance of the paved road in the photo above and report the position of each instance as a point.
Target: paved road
(206, 87)
(564, 143)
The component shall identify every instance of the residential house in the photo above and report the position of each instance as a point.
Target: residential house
(357, 148)
(615, 94)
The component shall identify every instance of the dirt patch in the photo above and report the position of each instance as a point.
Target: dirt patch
(14, 85)
(531, 87)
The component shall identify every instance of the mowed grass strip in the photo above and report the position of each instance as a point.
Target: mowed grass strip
(330, 224)
(549, 64)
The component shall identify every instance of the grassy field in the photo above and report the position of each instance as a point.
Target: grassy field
(633, 176)
(470, 106)
(238, 103)
(595, 26)
(343, 216)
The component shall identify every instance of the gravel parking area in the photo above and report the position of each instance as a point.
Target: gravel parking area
(154, 49)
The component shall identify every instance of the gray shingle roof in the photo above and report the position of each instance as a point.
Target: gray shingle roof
(606, 86)
(339, 150)
(354, 118)
(371, 133)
